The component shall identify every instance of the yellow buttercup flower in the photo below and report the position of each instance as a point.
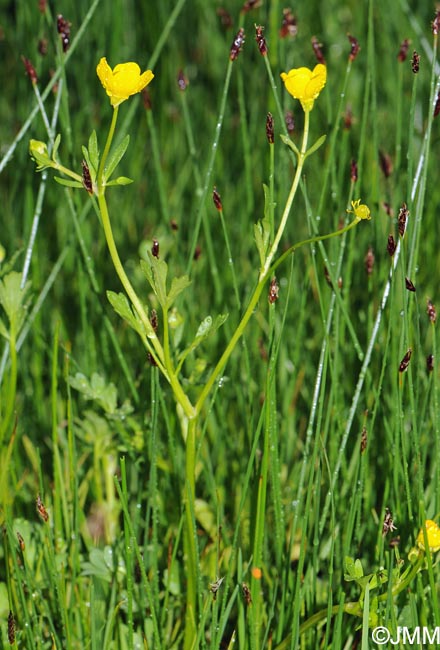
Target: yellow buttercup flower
(433, 535)
(124, 80)
(305, 84)
(361, 211)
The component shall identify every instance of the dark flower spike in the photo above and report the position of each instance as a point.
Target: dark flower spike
(261, 41)
(11, 628)
(364, 439)
(237, 44)
(388, 523)
(436, 23)
(409, 285)
(274, 290)
(430, 362)
(403, 52)
(42, 46)
(86, 178)
(353, 171)
(290, 122)
(391, 246)
(348, 118)
(431, 311)
(318, 51)
(217, 199)
(182, 80)
(246, 594)
(415, 62)
(405, 361)
(155, 249)
(249, 5)
(41, 509)
(288, 25)
(30, 70)
(402, 219)
(386, 164)
(225, 17)
(369, 261)
(154, 320)
(437, 105)
(355, 47)
(63, 27)
(270, 129)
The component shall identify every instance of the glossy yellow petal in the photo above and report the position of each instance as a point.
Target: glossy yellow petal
(305, 84)
(433, 535)
(123, 81)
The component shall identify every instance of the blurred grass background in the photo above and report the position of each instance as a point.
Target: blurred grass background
(68, 449)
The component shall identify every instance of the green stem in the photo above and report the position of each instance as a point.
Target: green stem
(12, 388)
(190, 537)
(301, 158)
(108, 144)
(355, 608)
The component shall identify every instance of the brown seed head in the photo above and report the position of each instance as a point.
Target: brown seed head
(355, 47)
(237, 44)
(403, 52)
(42, 5)
(318, 51)
(430, 362)
(415, 62)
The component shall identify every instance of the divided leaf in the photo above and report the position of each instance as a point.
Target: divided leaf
(121, 305)
(116, 156)
(156, 271)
